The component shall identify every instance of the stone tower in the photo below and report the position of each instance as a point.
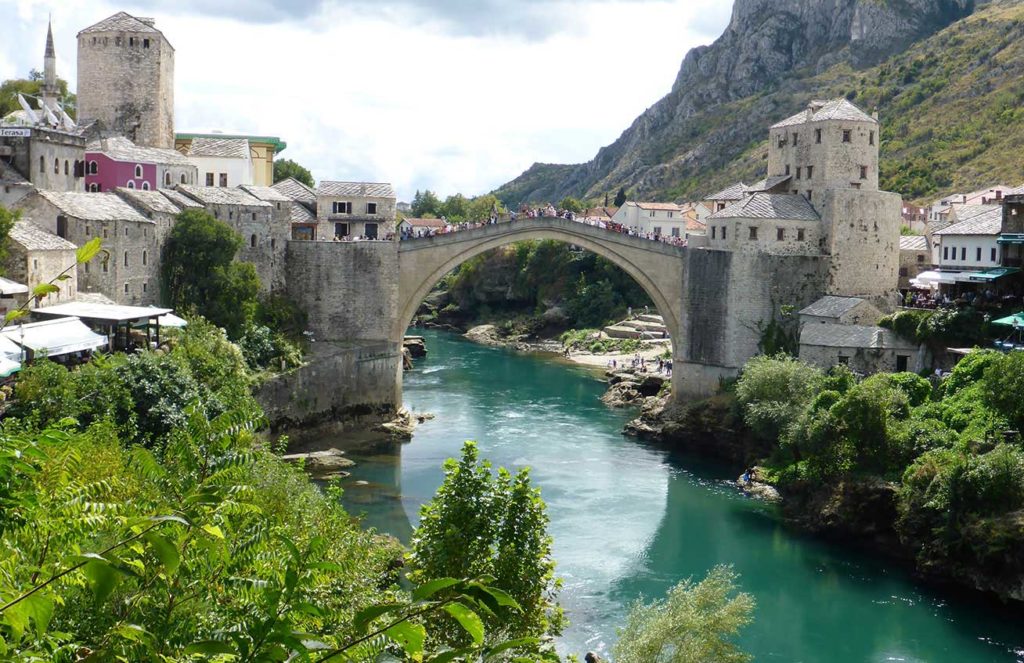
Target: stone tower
(830, 154)
(50, 91)
(126, 79)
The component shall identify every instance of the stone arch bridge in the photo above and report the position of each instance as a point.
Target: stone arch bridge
(361, 297)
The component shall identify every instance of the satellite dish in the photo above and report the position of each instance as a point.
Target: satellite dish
(33, 118)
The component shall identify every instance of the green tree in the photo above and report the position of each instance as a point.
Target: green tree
(773, 391)
(426, 204)
(7, 220)
(199, 274)
(12, 87)
(694, 623)
(285, 168)
(481, 525)
(455, 208)
(482, 207)
(571, 204)
(620, 197)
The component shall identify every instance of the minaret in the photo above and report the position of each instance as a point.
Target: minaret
(50, 90)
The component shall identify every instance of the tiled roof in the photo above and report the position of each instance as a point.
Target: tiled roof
(179, 199)
(121, 22)
(768, 183)
(425, 223)
(296, 190)
(151, 201)
(93, 206)
(694, 225)
(831, 306)
(216, 195)
(34, 238)
(833, 335)
(913, 243)
(266, 193)
(659, 207)
(770, 206)
(734, 192)
(368, 189)
(820, 111)
(10, 176)
(223, 148)
(301, 214)
(122, 149)
(967, 212)
(987, 223)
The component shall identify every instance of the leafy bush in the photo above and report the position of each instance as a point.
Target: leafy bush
(773, 391)
(1004, 387)
(969, 370)
(917, 389)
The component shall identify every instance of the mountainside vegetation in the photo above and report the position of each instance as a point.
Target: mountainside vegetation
(948, 91)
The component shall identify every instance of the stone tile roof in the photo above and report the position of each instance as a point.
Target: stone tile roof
(913, 243)
(989, 222)
(269, 194)
(659, 207)
(8, 175)
(770, 206)
(768, 183)
(831, 306)
(121, 22)
(734, 192)
(151, 201)
(93, 206)
(301, 214)
(366, 189)
(179, 199)
(821, 111)
(831, 335)
(216, 195)
(120, 148)
(296, 190)
(960, 213)
(222, 148)
(34, 238)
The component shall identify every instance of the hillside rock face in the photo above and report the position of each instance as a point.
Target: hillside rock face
(767, 43)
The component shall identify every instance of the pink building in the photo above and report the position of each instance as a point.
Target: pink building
(117, 162)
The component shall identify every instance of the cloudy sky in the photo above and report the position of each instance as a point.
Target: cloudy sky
(451, 95)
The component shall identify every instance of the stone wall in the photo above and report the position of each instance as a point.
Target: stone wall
(126, 80)
(863, 229)
(34, 267)
(47, 158)
(264, 241)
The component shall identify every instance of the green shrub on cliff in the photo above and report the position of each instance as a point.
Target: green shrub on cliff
(773, 391)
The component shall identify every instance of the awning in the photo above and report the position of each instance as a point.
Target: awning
(9, 348)
(55, 337)
(1011, 238)
(990, 275)
(9, 287)
(933, 277)
(171, 320)
(8, 367)
(1015, 320)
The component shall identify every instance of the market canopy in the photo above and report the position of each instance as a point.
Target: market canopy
(55, 337)
(1011, 238)
(1015, 320)
(105, 313)
(990, 275)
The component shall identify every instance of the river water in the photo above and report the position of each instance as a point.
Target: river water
(631, 520)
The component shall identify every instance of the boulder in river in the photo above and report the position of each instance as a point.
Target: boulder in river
(416, 346)
(325, 464)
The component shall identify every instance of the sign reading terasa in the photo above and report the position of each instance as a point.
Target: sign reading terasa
(15, 132)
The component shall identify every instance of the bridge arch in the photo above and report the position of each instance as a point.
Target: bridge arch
(656, 267)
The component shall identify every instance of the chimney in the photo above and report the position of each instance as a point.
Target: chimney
(876, 340)
(151, 22)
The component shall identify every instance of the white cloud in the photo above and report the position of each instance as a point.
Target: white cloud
(374, 95)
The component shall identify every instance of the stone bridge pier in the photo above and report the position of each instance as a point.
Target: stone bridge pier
(362, 296)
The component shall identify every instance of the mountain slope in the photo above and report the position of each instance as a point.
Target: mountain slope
(898, 56)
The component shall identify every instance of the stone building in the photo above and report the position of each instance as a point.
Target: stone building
(126, 79)
(282, 205)
(773, 223)
(915, 258)
(304, 223)
(972, 241)
(717, 202)
(357, 209)
(840, 311)
(13, 186)
(130, 272)
(865, 349)
(264, 241)
(261, 149)
(35, 256)
(221, 162)
(116, 161)
(658, 219)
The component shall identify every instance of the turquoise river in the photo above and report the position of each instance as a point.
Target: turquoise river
(630, 520)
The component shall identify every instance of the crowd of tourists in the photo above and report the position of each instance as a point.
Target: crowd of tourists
(546, 212)
(641, 364)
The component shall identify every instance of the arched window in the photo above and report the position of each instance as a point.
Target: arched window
(93, 187)
(42, 165)
(183, 178)
(138, 171)
(252, 241)
(131, 184)
(144, 256)
(126, 288)
(94, 168)
(167, 179)
(273, 243)
(145, 186)
(67, 169)
(125, 258)
(56, 166)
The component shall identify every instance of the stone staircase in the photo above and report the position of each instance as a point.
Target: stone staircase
(643, 327)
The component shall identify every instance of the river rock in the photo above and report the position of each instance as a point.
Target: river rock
(325, 464)
(622, 394)
(485, 335)
(758, 489)
(416, 346)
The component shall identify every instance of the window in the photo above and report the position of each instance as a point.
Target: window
(86, 268)
(871, 138)
(657, 230)
(817, 136)
(920, 257)
(131, 184)
(675, 232)
(209, 179)
(144, 256)
(252, 241)
(977, 256)
(796, 138)
(782, 141)
(254, 216)
(863, 172)
(963, 253)
(651, 214)
(341, 208)
(105, 264)
(670, 215)
(42, 165)
(809, 194)
(125, 258)
(183, 178)
(231, 215)
(94, 168)
(780, 234)
(67, 168)
(810, 172)
(94, 188)
(145, 186)
(901, 363)
(145, 43)
(35, 264)
(993, 258)
(903, 271)
(62, 226)
(945, 253)
(104, 233)
(713, 230)
(843, 361)
(787, 169)
(131, 41)
(341, 230)
(723, 232)
(753, 232)
(847, 136)
(371, 208)
(223, 179)
(370, 230)
(798, 169)
(117, 41)
(273, 243)
(138, 171)
(126, 231)
(126, 288)
(144, 288)
(56, 166)
(800, 235)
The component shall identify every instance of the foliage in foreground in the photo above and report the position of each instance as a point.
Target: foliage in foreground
(692, 624)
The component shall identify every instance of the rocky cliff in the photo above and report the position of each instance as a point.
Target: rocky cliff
(721, 103)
